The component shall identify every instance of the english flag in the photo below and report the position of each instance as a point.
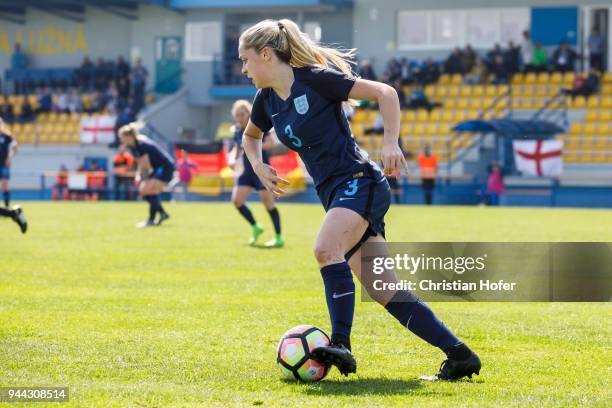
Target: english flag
(539, 158)
(98, 129)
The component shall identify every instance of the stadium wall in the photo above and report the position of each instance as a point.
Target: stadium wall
(375, 20)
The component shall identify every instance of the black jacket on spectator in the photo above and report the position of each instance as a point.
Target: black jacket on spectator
(564, 58)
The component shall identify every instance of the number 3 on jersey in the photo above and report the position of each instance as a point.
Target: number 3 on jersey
(352, 187)
(294, 139)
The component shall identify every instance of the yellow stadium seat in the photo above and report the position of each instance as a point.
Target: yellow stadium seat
(450, 103)
(589, 128)
(591, 116)
(543, 78)
(556, 78)
(359, 115)
(430, 91)
(607, 77)
(448, 116)
(491, 90)
(568, 78)
(435, 116)
(518, 79)
(466, 91)
(593, 102)
(457, 79)
(419, 129)
(604, 129)
(453, 91)
(530, 78)
(478, 90)
(422, 115)
(441, 91)
(575, 128)
(606, 89)
(409, 116)
(463, 103)
(431, 128)
(445, 79)
(606, 102)
(578, 103)
(472, 115)
(460, 116)
(605, 115)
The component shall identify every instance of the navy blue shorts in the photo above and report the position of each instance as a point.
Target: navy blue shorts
(369, 196)
(5, 172)
(248, 178)
(165, 174)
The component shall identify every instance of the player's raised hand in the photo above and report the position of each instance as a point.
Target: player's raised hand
(270, 179)
(393, 160)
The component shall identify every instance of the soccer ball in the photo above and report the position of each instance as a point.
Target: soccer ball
(293, 353)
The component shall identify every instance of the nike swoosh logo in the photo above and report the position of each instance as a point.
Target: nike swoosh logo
(335, 296)
(346, 198)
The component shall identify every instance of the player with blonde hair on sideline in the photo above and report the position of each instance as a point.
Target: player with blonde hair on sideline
(247, 180)
(155, 170)
(301, 88)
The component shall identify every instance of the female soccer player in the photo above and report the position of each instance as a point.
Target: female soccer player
(155, 170)
(248, 180)
(301, 97)
(8, 149)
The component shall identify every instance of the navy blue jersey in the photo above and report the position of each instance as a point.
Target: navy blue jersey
(311, 121)
(157, 156)
(5, 147)
(238, 140)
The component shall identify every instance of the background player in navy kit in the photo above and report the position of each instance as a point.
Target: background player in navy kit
(8, 148)
(248, 180)
(302, 99)
(155, 170)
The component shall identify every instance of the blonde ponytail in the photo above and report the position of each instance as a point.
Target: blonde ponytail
(295, 47)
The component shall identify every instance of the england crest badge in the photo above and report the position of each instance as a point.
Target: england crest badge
(301, 104)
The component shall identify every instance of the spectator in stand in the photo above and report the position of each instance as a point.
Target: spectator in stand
(139, 77)
(100, 74)
(123, 92)
(584, 86)
(185, 170)
(394, 69)
(512, 58)
(45, 101)
(366, 71)
(493, 54)
(86, 74)
(469, 58)
(454, 64)
(428, 163)
(539, 61)
(61, 102)
(405, 72)
(6, 113)
(399, 88)
(418, 99)
(478, 75)
(27, 113)
(74, 101)
(122, 69)
(596, 50)
(430, 73)
(19, 61)
(98, 103)
(526, 52)
(500, 72)
(564, 58)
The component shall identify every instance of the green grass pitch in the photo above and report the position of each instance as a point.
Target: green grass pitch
(188, 315)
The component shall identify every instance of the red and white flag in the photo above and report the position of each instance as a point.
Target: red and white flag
(98, 129)
(539, 157)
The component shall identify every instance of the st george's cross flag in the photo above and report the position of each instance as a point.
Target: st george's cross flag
(539, 157)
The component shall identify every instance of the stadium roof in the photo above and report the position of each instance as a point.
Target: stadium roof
(74, 10)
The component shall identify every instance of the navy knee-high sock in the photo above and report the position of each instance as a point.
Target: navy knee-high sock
(152, 208)
(246, 213)
(7, 198)
(415, 315)
(275, 219)
(340, 296)
(157, 204)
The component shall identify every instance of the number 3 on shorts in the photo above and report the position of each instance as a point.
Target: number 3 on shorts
(294, 139)
(352, 187)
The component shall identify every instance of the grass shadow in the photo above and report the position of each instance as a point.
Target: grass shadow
(361, 386)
